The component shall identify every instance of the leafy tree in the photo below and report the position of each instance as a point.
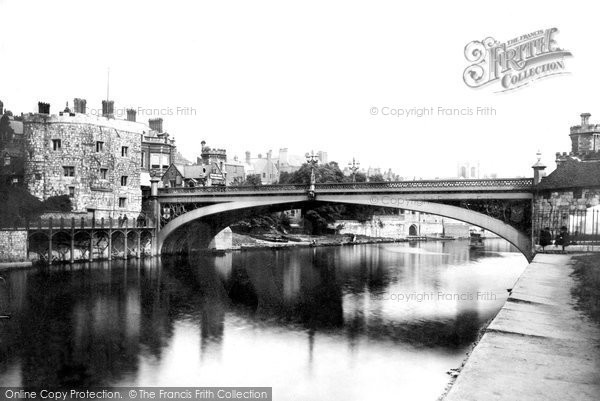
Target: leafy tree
(19, 204)
(253, 180)
(324, 173)
(376, 178)
(60, 203)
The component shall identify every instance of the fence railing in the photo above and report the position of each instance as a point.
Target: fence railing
(75, 223)
(502, 183)
(568, 227)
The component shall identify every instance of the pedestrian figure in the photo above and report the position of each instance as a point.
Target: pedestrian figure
(545, 238)
(562, 238)
(125, 220)
(120, 221)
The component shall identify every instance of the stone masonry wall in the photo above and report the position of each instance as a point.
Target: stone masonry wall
(13, 246)
(79, 135)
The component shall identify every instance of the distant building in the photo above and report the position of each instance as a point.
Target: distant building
(158, 149)
(585, 142)
(265, 167)
(12, 149)
(468, 170)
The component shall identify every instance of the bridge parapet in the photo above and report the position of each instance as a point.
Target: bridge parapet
(496, 184)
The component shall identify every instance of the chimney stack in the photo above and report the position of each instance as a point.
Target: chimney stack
(80, 105)
(108, 108)
(131, 115)
(247, 157)
(585, 119)
(156, 124)
(43, 108)
(1, 108)
(538, 169)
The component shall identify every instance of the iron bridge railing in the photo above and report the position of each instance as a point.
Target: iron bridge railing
(501, 183)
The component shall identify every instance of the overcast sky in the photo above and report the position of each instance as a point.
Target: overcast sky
(304, 75)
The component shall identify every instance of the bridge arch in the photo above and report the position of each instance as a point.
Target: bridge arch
(517, 238)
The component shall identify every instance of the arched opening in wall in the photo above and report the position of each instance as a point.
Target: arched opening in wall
(38, 246)
(145, 243)
(413, 231)
(132, 243)
(101, 244)
(82, 245)
(61, 246)
(118, 245)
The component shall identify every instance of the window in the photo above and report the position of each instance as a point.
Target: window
(122, 202)
(103, 173)
(264, 175)
(7, 160)
(124, 181)
(38, 176)
(124, 151)
(69, 171)
(99, 146)
(547, 195)
(578, 194)
(71, 192)
(56, 144)
(143, 157)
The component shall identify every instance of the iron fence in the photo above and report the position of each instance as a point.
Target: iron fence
(567, 227)
(74, 223)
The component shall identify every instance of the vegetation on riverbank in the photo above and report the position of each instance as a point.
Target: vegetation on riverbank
(19, 205)
(587, 290)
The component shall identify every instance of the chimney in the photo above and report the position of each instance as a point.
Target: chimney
(131, 114)
(283, 156)
(269, 154)
(43, 108)
(156, 124)
(538, 169)
(247, 157)
(108, 108)
(80, 105)
(585, 119)
(1, 108)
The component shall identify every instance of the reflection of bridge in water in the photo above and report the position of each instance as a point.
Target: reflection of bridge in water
(191, 217)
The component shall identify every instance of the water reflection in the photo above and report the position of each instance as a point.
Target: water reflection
(316, 323)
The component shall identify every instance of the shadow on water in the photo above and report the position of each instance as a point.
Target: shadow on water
(88, 325)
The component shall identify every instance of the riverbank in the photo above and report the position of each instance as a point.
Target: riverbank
(540, 346)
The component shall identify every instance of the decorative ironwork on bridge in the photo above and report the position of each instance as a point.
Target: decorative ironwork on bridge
(500, 183)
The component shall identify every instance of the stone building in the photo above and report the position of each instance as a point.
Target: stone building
(571, 193)
(158, 150)
(94, 160)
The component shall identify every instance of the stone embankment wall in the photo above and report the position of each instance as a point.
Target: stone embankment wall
(13, 246)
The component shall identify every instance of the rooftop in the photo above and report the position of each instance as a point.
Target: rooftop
(573, 174)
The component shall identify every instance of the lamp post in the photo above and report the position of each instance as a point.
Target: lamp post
(313, 160)
(354, 166)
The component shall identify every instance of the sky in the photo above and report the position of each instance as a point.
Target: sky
(261, 75)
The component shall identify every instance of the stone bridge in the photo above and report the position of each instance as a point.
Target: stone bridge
(502, 206)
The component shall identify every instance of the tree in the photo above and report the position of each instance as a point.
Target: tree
(324, 173)
(376, 178)
(253, 180)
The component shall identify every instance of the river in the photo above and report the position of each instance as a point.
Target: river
(364, 322)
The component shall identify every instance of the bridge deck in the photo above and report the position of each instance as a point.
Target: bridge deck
(513, 188)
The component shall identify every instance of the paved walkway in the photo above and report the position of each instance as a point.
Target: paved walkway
(538, 347)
